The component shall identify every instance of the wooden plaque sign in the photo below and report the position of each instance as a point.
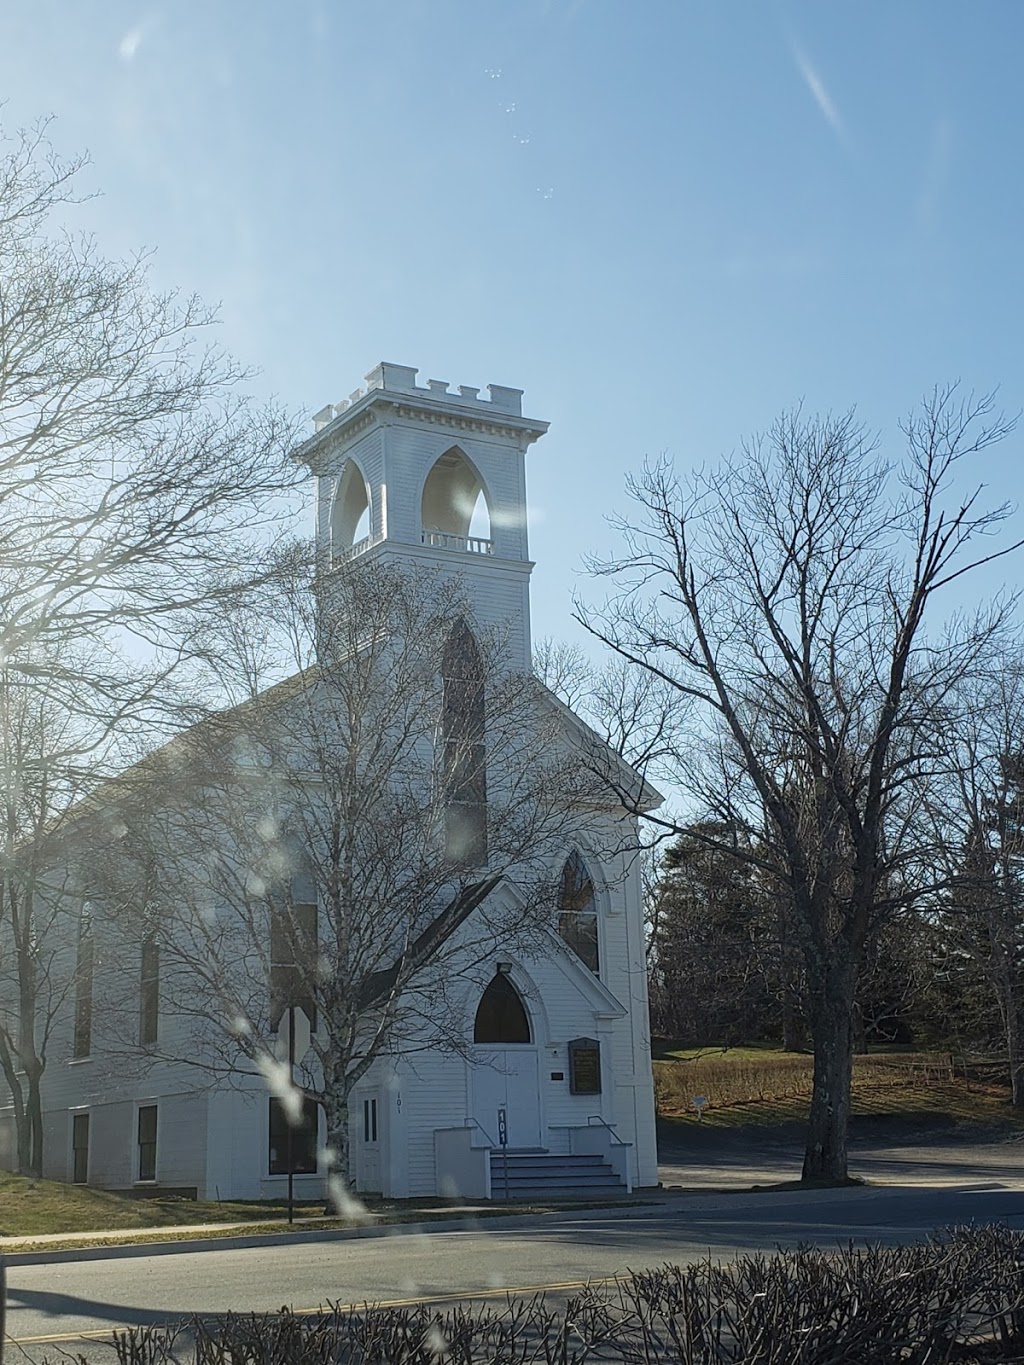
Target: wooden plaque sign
(584, 1067)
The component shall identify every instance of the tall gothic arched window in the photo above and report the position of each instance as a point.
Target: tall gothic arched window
(501, 1015)
(577, 911)
(294, 942)
(465, 755)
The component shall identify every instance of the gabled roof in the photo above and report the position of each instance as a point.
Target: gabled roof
(379, 985)
(626, 778)
(592, 988)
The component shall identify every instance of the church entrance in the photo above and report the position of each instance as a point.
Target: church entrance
(504, 1083)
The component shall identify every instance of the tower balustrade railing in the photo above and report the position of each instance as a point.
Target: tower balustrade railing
(444, 540)
(350, 552)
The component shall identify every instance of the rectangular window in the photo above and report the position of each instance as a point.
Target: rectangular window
(293, 961)
(303, 1137)
(80, 1148)
(83, 989)
(370, 1120)
(149, 991)
(147, 1142)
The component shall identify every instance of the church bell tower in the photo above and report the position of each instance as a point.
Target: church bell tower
(434, 478)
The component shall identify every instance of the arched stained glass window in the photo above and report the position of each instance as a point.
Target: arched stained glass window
(501, 1015)
(465, 757)
(577, 912)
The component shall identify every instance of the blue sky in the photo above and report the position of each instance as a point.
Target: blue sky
(665, 220)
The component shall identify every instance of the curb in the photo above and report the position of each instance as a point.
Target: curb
(664, 1201)
(182, 1246)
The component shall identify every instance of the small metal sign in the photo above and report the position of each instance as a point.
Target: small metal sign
(293, 1035)
(502, 1127)
(699, 1103)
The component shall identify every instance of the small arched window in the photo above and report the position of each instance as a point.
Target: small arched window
(501, 1015)
(577, 912)
(465, 755)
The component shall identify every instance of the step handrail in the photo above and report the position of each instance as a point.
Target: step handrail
(596, 1120)
(494, 1147)
(475, 1123)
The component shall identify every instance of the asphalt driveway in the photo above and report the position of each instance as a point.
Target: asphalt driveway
(705, 1157)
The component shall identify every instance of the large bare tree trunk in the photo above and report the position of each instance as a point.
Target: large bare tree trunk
(339, 1159)
(1013, 1022)
(793, 1039)
(23, 1141)
(30, 1142)
(825, 1156)
(860, 1030)
(34, 1114)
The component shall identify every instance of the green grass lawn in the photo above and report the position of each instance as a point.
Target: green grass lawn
(30, 1208)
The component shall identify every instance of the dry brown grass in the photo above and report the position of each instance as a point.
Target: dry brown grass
(727, 1079)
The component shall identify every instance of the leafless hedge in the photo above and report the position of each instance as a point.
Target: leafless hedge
(958, 1297)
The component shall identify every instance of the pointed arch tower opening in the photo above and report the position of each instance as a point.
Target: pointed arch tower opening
(455, 508)
(350, 513)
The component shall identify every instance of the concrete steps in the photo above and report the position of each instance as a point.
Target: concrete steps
(523, 1175)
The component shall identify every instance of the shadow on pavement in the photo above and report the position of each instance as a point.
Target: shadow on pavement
(73, 1306)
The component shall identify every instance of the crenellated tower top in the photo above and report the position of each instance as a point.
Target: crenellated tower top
(434, 476)
(401, 379)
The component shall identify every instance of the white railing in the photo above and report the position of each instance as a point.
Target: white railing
(442, 540)
(354, 551)
(595, 1120)
(600, 1137)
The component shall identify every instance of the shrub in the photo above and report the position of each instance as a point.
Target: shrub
(957, 1297)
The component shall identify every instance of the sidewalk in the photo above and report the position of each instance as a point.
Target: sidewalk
(709, 1160)
(57, 1249)
(169, 1232)
(159, 1241)
(695, 1173)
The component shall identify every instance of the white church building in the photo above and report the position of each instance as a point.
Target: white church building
(552, 1091)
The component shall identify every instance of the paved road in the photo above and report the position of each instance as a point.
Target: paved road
(706, 1157)
(60, 1301)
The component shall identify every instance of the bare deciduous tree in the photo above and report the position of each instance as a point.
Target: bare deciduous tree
(359, 840)
(133, 473)
(979, 818)
(790, 595)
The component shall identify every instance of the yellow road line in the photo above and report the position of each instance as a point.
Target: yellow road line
(100, 1333)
